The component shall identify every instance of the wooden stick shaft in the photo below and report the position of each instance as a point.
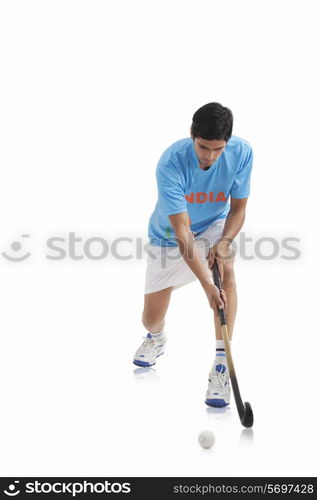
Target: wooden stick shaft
(232, 372)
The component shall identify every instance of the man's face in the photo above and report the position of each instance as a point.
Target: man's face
(208, 151)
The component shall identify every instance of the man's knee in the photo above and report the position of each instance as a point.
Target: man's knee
(229, 282)
(151, 320)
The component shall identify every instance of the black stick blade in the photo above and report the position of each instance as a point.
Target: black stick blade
(247, 419)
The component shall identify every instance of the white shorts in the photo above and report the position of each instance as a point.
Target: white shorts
(166, 266)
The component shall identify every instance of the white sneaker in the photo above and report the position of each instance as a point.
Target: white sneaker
(149, 350)
(218, 393)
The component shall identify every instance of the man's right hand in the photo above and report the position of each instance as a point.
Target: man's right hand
(215, 298)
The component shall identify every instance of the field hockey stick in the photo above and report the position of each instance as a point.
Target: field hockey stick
(244, 409)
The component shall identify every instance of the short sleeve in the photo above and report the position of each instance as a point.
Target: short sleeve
(170, 190)
(241, 185)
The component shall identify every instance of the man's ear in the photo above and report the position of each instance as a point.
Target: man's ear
(191, 133)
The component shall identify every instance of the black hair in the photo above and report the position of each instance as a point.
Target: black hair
(212, 121)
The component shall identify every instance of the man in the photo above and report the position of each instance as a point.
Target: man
(203, 186)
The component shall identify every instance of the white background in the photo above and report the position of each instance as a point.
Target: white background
(91, 94)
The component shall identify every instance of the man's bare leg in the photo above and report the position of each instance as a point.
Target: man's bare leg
(155, 308)
(218, 393)
(229, 285)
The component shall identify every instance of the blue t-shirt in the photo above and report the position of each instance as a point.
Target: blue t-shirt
(205, 194)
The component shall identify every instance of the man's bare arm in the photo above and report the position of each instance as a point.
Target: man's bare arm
(190, 254)
(235, 219)
(232, 227)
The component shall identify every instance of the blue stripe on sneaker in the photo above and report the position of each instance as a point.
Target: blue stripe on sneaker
(142, 363)
(216, 403)
(139, 362)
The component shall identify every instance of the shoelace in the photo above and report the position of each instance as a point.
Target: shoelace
(218, 380)
(147, 344)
